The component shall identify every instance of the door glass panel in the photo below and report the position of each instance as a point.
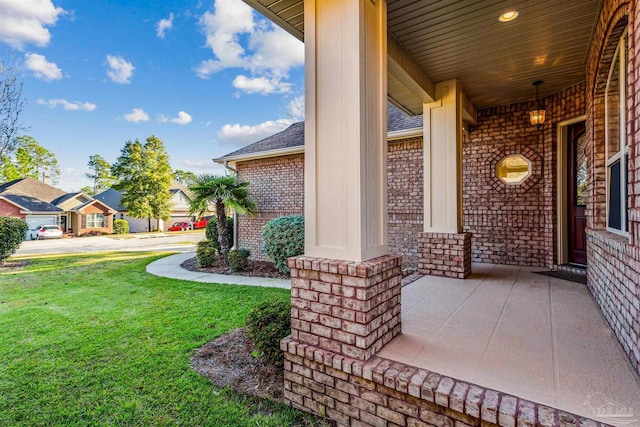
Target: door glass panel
(581, 171)
(613, 109)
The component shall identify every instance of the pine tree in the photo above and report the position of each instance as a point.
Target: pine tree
(30, 160)
(144, 175)
(101, 176)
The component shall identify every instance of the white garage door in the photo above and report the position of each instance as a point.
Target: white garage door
(36, 220)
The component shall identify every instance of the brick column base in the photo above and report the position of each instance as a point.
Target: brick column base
(445, 254)
(349, 308)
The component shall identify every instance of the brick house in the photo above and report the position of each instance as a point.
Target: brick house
(39, 203)
(498, 185)
(274, 167)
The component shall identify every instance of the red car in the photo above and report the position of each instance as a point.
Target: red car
(201, 223)
(180, 226)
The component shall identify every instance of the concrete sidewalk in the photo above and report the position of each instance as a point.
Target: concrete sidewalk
(170, 267)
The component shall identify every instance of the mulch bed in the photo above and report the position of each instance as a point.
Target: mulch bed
(256, 269)
(228, 362)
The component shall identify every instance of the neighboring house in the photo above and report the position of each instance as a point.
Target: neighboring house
(179, 209)
(39, 203)
(113, 198)
(274, 167)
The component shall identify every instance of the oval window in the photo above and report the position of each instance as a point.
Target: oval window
(513, 169)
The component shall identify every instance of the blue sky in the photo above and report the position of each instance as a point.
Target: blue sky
(206, 77)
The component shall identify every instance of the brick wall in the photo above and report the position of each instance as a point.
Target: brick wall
(9, 209)
(351, 308)
(405, 198)
(515, 224)
(380, 392)
(614, 260)
(278, 186)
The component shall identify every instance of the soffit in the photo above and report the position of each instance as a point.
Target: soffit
(496, 62)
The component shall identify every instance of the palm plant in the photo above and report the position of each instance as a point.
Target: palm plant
(227, 193)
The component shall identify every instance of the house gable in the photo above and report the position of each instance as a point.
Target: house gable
(9, 208)
(111, 198)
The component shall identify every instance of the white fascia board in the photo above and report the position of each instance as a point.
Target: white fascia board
(261, 154)
(404, 134)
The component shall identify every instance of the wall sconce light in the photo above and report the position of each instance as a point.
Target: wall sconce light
(538, 114)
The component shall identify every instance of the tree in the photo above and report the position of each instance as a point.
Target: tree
(101, 176)
(144, 176)
(88, 190)
(11, 103)
(226, 192)
(184, 177)
(30, 160)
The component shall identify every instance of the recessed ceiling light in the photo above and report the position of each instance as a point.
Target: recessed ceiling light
(508, 16)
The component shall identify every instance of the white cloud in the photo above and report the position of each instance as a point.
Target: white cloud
(237, 134)
(67, 105)
(203, 166)
(164, 25)
(42, 69)
(136, 115)
(72, 179)
(120, 70)
(25, 21)
(261, 85)
(182, 119)
(239, 40)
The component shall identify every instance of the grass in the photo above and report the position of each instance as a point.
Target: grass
(92, 340)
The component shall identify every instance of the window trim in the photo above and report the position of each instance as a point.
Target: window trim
(621, 155)
(91, 223)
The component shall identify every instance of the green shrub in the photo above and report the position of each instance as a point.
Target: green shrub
(267, 324)
(283, 238)
(12, 232)
(238, 259)
(206, 253)
(211, 232)
(121, 226)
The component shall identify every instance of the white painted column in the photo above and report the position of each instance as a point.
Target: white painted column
(346, 129)
(443, 160)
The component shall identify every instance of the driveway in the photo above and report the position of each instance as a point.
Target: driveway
(175, 242)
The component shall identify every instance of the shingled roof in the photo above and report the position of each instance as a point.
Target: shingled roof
(31, 203)
(293, 136)
(111, 198)
(32, 188)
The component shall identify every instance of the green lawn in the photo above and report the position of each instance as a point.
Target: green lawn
(94, 340)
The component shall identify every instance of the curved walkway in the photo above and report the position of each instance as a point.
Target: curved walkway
(171, 267)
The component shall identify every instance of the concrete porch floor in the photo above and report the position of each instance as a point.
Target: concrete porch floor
(511, 330)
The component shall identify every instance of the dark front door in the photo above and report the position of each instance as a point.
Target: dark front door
(63, 224)
(577, 192)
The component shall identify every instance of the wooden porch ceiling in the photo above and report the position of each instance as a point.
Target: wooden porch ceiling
(496, 62)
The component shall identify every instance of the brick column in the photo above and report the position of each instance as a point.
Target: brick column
(348, 308)
(445, 254)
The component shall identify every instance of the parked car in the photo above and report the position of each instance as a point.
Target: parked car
(180, 226)
(201, 223)
(45, 232)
